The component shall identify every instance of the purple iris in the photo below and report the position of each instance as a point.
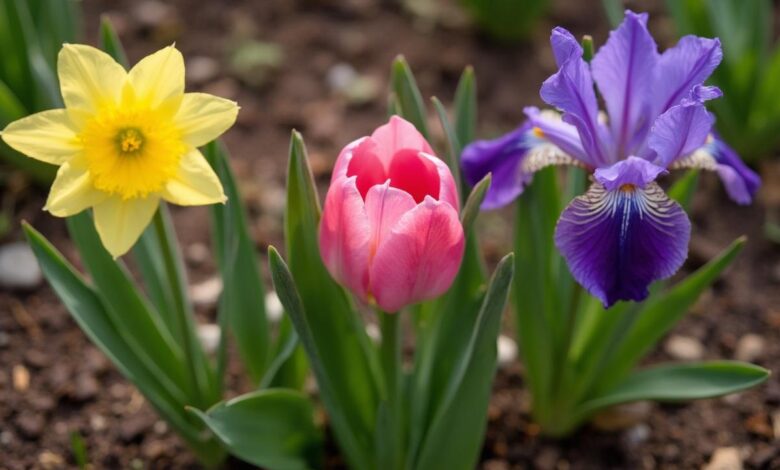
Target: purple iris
(624, 232)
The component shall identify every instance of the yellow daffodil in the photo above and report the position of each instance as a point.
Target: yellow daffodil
(124, 141)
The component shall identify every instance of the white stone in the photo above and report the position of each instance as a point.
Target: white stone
(202, 69)
(206, 293)
(273, 307)
(209, 336)
(18, 267)
(507, 350)
(684, 348)
(750, 347)
(341, 77)
(725, 458)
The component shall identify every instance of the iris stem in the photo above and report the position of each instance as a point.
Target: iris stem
(176, 284)
(390, 358)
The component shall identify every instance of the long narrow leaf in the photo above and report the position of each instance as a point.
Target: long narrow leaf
(404, 88)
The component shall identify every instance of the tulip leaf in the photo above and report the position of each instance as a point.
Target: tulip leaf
(679, 382)
(660, 313)
(327, 323)
(466, 107)
(273, 429)
(86, 307)
(453, 145)
(404, 87)
(471, 209)
(243, 294)
(453, 439)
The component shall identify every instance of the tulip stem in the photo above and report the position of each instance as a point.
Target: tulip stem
(390, 357)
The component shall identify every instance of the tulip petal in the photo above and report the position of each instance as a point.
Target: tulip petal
(420, 257)
(120, 222)
(345, 236)
(203, 117)
(448, 192)
(364, 164)
(89, 78)
(414, 173)
(617, 242)
(385, 206)
(48, 136)
(398, 134)
(72, 191)
(159, 78)
(195, 183)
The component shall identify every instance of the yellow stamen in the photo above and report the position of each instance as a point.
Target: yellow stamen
(628, 188)
(130, 140)
(538, 132)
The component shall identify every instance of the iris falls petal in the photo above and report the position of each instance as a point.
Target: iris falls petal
(617, 242)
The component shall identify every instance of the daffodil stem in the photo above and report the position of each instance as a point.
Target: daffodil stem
(391, 357)
(176, 284)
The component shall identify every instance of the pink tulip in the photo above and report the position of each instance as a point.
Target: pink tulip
(390, 230)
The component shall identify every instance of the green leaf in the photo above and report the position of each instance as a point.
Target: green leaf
(404, 88)
(466, 107)
(337, 339)
(243, 292)
(141, 329)
(87, 309)
(471, 209)
(11, 108)
(453, 145)
(614, 11)
(507, 20)
(684, 188)
(453, 440)
(660, 313)
(273, 429)
(78, 449)
(110, 43)
(678, 382)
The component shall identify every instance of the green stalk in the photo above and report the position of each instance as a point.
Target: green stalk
(173, 273)
(390, 358)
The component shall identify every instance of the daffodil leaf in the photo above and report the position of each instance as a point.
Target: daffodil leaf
(243, 295)
(110, 43)
(89, 311)
(273, 429)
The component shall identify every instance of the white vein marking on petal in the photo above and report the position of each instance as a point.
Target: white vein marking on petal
(701, 158)
(544, 155)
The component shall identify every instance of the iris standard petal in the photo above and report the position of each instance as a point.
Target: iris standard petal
(345, 236)
(120, 222)
(159, 78)
(420, 257)
(571, 90)
(564, 45)
(682, 67)
(203, 117)
(72, 191)
(623, 70)
(194, 183)
(48, 136)
(679, 131)
(89, 78)
(617, 242)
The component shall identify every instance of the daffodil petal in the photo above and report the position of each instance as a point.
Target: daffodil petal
(158, 79)
(89, 78)
(120, 222)
(203, 117)
(195, 184)
(72, 191)
(48, 136)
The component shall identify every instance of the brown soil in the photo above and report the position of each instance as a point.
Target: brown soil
(73, 388)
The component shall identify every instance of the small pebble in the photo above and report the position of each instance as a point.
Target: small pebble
(750, 348)
(133, 427)
(507, 350)
(30, 424)
(206, 293)
(623, 416)
(209, 336)
(341, 76)
(202, 69)
(18, 267)
(160, 427)
(21, 378)
(197, 253)
(776, 425)
(97, 423)
(684, 348)
(50, 461)
(273, 307)
(5, 339)
(725, 458)
(85, 387)
(151, 13)
(637, 434)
